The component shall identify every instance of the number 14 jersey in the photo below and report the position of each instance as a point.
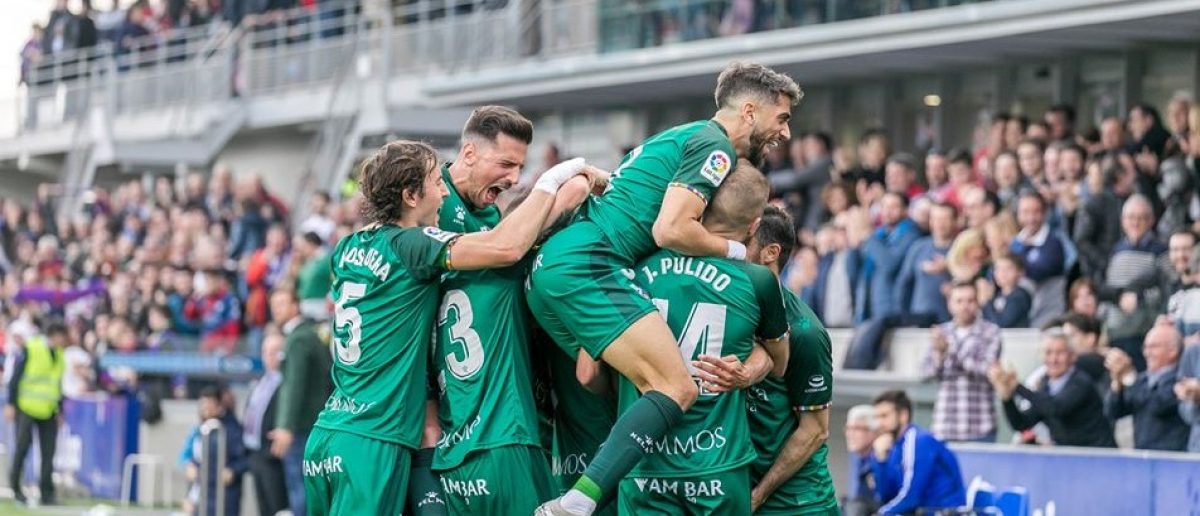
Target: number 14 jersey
(714, 307)
(386, 290)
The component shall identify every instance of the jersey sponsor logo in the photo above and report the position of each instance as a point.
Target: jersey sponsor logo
(716, 167)
(688, 266)
(439, 235)
(688, 488)
(468, 487)
(369, 258)
(323, 467)
(702, 441)
(339, 403)
(816, 383)
(457, 437)
(570, 465)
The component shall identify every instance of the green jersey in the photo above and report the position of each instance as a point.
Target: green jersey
(807, 386)
(481, 356)
(582, 419)
(697, 156)
(458, 216)
(714, 307)
(385, 283)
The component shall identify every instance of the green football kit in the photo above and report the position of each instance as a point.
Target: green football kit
(715, 307)
(772, 406)
(481, 358)
(386, 286)
(581, 290)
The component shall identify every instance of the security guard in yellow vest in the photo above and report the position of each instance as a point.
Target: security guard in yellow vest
(34, 400)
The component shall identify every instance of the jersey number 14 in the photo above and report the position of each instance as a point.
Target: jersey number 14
(703, 333)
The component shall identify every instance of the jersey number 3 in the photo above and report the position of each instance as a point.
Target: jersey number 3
(348, 351)
(461, 333)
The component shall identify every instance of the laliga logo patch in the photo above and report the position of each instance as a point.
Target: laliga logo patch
(816, 381)
(716, 167)
(439, 235)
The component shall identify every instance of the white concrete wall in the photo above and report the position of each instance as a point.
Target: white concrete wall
(278, 155)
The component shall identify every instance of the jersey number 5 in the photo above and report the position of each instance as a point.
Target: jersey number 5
(461, 333)
(348, 351)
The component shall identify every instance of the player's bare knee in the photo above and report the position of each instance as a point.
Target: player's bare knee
(683, 392)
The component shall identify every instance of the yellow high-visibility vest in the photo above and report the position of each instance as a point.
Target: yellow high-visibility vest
(40, 389)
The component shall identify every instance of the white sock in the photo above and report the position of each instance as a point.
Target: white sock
(577, 503)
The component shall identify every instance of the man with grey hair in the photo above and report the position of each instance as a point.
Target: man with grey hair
(861, 431)
(1064, 398)
(1138, 268)
(1150, 396)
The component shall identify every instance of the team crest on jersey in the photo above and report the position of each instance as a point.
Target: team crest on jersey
(439, 235)
(716, 167)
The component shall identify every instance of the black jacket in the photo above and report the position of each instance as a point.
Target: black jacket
(1097, 230)
(1075, 415)
(1155, 410)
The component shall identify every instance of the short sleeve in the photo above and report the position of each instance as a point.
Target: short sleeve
(774, 321)
(423, 251)
(809, 374)
(708, 158)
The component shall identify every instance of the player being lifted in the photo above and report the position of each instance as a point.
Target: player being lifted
(487, 412)
(580, 292)
(716, 307)
(789, 416)
(386, 289)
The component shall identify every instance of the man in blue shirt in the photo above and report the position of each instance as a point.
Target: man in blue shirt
(913, 470)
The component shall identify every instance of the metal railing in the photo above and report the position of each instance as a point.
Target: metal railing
(306, 47)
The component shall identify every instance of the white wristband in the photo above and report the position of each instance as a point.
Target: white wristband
(553, 178)
(736, 251)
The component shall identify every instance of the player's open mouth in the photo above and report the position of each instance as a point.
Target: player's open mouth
(492, 193)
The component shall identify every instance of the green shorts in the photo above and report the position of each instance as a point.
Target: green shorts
(346, 473)
(506, 480)
(726, 493)
(581, 291)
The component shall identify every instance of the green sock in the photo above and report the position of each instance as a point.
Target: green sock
(424, 487)
(645, 422)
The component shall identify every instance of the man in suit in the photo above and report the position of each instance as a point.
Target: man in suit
(269, 488)
(302, 393)
(1149, 396)
(1066, 400)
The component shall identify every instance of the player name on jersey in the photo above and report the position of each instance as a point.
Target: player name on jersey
(688, 266)
(369, 258)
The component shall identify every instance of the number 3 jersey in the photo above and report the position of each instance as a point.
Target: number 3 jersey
(714, 307)
(386, 291)
(481, 350)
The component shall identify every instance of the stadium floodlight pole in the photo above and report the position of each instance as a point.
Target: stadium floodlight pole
(210, 426)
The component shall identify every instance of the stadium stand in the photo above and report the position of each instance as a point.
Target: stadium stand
(159, 179)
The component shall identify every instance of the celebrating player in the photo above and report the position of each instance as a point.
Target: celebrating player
(481, 359)
(580, 292)
(715, 307)
(789, 416)
(387, 289)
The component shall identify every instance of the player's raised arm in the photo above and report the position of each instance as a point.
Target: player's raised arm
(512, 238)
(678, 227)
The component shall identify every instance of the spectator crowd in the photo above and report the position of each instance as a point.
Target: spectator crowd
(184, 267)
(1086, 234)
